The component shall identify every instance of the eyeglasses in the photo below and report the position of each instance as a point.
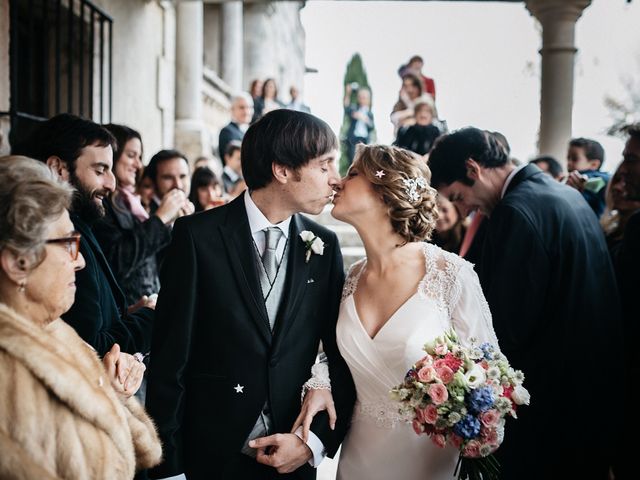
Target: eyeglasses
(71, 243)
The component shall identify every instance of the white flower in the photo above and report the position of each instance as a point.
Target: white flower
(475, 377)
(317, 246)
(485, 450)
(476, 353)
(312, 244)
(503, 405)
(454, 417)
(520, 395)
(518, 377)
(493, 372)
(307, 236)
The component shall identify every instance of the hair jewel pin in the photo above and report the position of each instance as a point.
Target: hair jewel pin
(413, 186)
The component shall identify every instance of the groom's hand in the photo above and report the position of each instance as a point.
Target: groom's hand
(285, 452)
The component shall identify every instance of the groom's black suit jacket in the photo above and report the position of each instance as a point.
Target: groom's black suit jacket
(212, 334)
(549, 282)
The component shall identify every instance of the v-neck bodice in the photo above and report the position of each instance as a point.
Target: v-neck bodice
(379, 363)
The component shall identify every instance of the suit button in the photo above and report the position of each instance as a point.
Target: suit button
(273, 362)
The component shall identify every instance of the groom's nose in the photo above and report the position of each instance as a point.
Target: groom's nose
(334, 175)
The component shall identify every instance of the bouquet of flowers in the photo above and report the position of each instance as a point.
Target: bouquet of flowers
(462, 396)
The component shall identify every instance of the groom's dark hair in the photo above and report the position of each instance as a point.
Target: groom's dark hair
(286, 137)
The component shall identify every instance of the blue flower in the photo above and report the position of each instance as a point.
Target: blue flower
(468, 427)
(488, 350)
(480, 400)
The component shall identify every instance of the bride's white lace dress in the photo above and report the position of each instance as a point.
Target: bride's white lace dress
(379, 444)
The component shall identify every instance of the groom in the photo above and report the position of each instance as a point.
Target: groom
(242, 310)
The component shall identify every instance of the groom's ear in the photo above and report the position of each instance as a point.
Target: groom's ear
(281, 173)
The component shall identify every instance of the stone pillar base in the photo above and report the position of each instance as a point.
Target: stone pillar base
(192, 139)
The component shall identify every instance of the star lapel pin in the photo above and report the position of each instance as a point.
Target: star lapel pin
(238, 388)
(380, 173)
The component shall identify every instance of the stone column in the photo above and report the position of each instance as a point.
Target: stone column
(191, 137)
(5, 80)
(558, 19)
(232, 44)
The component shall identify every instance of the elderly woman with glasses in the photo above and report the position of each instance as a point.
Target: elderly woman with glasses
(63, 412)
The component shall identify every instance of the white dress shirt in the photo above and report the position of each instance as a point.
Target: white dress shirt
(258, 222)
(509, 178)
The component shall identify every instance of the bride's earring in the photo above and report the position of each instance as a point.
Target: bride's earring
(22, 286)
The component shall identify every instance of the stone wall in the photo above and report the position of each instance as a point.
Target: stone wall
(144, 68)
(274, 44)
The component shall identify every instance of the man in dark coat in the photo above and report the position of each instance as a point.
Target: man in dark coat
(81, 152)
(241, 113)
(244, 305)
(550, 285)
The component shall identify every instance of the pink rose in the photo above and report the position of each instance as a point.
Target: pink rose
(452, 362)
(455, 440)
(417, 427)
(439, 363)
(426, 360)
(445, 374)
(441, 349)
(439, 440)
(426, 374)
(438, 393)
(484, 364)
(472, 449)
(490, 418)
(430, 414)
(419, 415)
(489, 435)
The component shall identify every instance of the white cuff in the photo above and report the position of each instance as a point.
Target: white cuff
(315, 445)
(175, 477)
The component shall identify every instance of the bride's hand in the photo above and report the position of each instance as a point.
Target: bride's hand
(315, 401)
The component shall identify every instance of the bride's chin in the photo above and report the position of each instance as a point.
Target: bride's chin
(335, 213)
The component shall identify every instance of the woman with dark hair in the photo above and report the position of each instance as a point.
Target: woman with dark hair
(450, 227)
(128, 235)
(267, 101)
(206, 191)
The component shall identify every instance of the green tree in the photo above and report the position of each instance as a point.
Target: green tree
(355, 74)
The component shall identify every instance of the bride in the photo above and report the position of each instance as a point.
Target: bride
(403, 294)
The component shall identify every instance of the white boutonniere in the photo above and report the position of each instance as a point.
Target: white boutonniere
(312, 244)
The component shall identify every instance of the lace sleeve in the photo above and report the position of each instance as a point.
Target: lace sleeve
(320, 379)
(470, 314)
(351, 281)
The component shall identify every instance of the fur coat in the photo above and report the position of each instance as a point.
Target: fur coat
(59, 416)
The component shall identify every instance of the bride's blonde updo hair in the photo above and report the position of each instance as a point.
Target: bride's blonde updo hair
(413, 212)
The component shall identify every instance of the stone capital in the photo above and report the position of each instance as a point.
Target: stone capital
(556, 10)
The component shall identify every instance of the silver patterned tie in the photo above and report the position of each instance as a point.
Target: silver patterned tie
(269, 259)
